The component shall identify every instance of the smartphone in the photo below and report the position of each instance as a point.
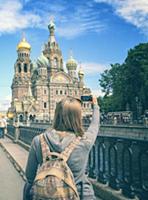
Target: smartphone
(86, 98)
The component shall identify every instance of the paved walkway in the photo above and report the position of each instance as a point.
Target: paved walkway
(11, 184)
(17, 155)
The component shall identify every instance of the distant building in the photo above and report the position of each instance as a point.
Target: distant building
(36, 88)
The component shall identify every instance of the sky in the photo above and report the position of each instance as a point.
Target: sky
(99, 32)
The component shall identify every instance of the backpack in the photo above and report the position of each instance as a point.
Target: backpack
(54, 179)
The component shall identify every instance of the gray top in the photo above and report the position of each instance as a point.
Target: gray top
(77, 160)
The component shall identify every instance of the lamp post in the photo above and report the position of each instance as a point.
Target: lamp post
(10, 115)
(137, 100)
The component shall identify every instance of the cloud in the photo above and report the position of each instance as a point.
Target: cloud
(93, 68)
(133, 11)
(12, 17)
(72, 19)
(83, 19)
(5, 103)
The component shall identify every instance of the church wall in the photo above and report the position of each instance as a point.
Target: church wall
(19, 92)
(42, 97)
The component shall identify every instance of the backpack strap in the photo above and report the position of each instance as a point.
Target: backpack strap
(68, 150)
(45, 148)
(64, 154)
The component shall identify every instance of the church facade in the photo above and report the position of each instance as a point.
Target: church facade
(36, 88)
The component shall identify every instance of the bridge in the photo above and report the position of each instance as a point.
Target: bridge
(117, 167)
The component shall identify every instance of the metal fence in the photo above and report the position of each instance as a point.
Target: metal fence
(11, 130)
(26, 134)
(120, 162)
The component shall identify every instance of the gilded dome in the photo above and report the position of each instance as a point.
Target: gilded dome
(23, 44)
(71, 63)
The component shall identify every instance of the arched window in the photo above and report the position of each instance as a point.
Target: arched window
(21, 118)
(45, 105)
(31, 118)
(25, 68)
(55, 62)
(19, 68)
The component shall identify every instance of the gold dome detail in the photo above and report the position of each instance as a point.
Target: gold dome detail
(81, 72)
(71, 61)
(23, 44)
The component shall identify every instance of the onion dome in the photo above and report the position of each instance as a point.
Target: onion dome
(81, 72)
(23, 44)
(51, 25)
(42, 61)
(71, 64)
(51, 28)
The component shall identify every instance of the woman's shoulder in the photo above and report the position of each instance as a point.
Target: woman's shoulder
(85, 140)
(36, 141)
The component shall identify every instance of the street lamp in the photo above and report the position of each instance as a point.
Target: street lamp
(137, 101)
(10, 115)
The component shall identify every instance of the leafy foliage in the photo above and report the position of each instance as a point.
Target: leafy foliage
(126, 85)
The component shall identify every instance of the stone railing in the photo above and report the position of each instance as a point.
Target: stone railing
(119, 162)
(125, 131)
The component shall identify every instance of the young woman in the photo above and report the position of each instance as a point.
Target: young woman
(67, 125)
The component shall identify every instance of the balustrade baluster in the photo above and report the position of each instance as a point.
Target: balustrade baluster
(113, 165)
(101, 169)
(92, 163)
(127, 172)
(143, 172)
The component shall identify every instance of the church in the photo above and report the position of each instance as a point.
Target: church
(37, 87)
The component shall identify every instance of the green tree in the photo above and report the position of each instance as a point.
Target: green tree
(127, 84)
(111, 83)
(136, 77)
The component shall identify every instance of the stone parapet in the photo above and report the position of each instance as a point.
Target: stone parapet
(133, 132)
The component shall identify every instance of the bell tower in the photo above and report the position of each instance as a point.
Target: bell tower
(52, 51)
(23, 69)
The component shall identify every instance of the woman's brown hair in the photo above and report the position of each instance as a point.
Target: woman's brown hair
(68, 116)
